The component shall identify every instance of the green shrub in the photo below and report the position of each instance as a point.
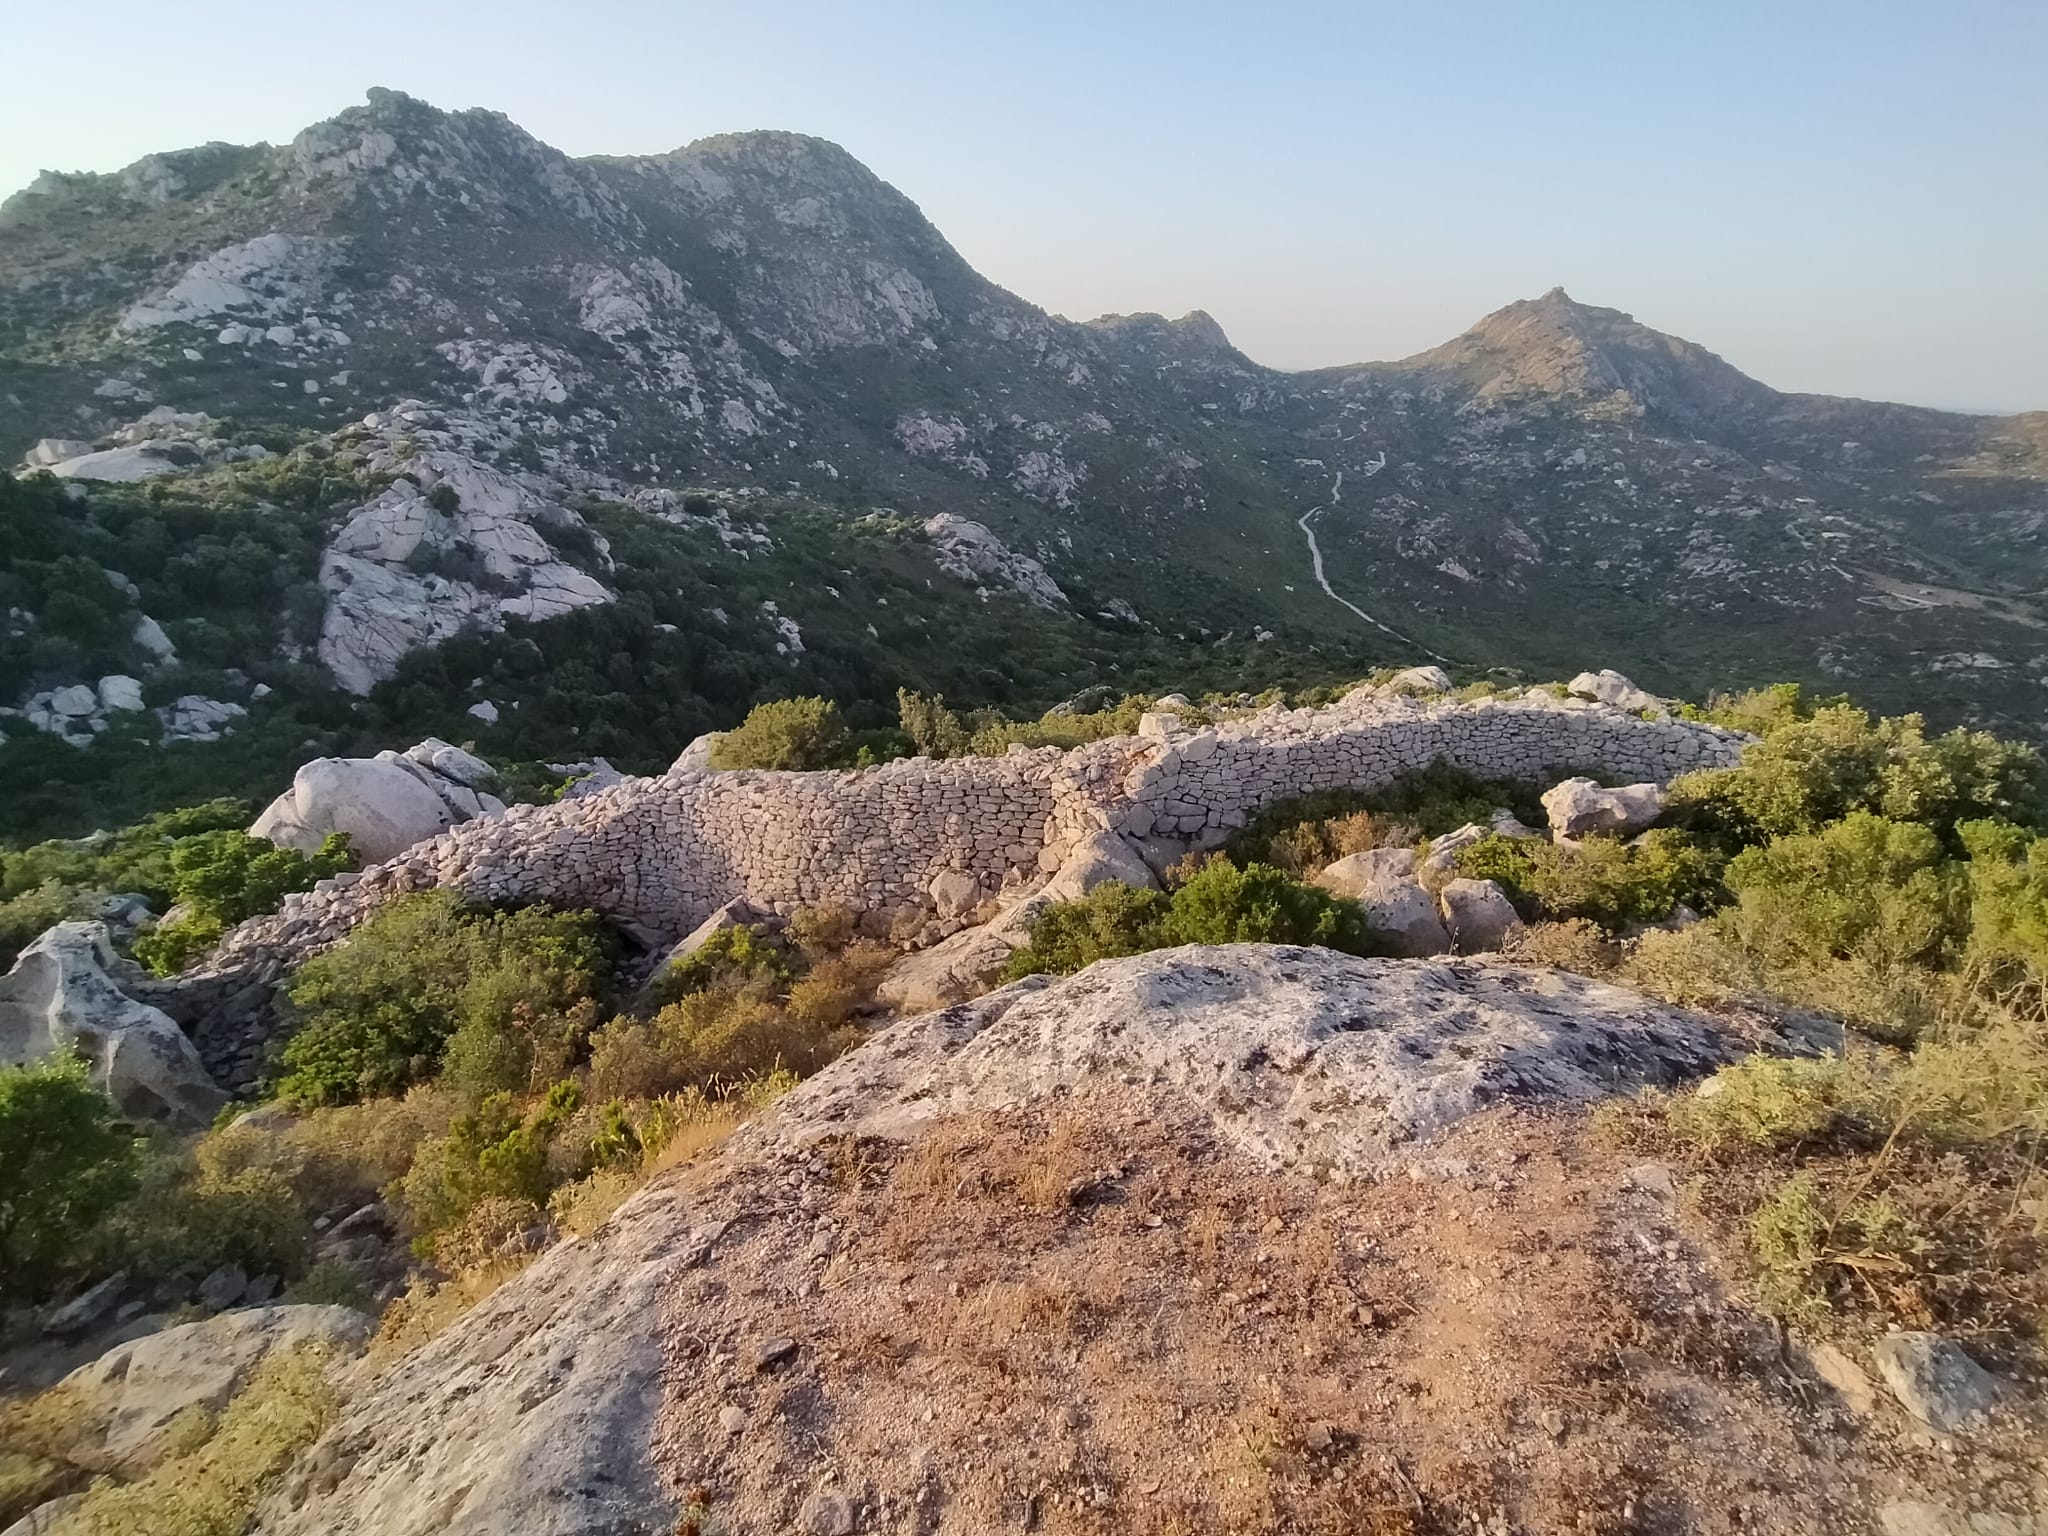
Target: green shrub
(1811, 772)
(223, 877)
(1295, 833)
(67, 1164)
(734, 958)
(1852, 917)
(186, 1220)
(1617, 885)
(496, 1151)
(376, 1013)
(1219, 904)
(1764, 1102)
(804, 733)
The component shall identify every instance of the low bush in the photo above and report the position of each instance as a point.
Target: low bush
(1219, 903)
(498, 1150)
(211, 1487)
(1809, 772)
(67, 1164)
(804, 733)
(1616, 885)
(376, 1013)
(1764, 1102)
(733, 959)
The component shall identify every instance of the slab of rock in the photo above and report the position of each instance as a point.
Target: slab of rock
(1297, 1053)
(63, 1000)
(1610, 687)
(1478, 915)
(141, 1386)
(1429, 679)
(1103, 858)
(1580, 808)
(88, 1309)
(1382, 880)
(696, 757)
(1935, 1381)
(143, 461)
(533, 1413)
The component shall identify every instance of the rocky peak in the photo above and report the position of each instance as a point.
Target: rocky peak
(1195, 338)
(1557, 347)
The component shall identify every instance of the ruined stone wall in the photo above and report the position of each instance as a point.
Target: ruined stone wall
(658, 855)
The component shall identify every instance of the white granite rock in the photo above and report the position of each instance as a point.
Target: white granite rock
(60, 1001)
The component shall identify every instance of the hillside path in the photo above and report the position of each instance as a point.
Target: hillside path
(1315, 555)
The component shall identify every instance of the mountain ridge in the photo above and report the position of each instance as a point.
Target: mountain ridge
(1557, 486)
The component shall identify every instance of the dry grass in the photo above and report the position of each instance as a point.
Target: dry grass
(38, 1437)
(216, 1471)
(428, 1308)
(1092, 1318)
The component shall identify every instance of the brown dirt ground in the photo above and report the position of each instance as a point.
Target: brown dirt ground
(1091, 1317)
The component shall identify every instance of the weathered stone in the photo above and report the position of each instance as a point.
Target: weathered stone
(60, 1002)
(141, 1386)
(1580, 807)
(1935, 1381)
(1477, 914)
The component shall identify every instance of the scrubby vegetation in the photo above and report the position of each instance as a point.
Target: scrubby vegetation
(1218, 903)
(67, 1164)
(197, 858)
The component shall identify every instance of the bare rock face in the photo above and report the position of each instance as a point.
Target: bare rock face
(533, 1414)
(139, 1387)
(1298, 1053)
(385, 803)
(418, 565)
(1579, 807)
(972, 552)
(60, 1002)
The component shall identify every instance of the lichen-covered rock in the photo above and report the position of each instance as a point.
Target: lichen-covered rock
(1579, 808)
(1935, 1381)
(60, 1003)
(1477, 914)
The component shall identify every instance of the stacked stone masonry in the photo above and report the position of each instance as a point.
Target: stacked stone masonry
(659, 854)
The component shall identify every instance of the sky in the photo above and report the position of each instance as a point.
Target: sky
(1846, 198)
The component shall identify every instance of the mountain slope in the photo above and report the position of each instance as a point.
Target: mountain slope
(1560, 486)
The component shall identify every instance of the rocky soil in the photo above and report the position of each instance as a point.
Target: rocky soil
(1240, 1239)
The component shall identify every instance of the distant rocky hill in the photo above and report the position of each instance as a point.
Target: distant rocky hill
(424, 298)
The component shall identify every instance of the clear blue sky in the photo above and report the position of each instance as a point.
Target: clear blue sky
(1841, 197)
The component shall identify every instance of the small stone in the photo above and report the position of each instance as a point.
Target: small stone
(1835, 1368)
(1317, 1437)
(1934, 1380)
(84, 1311)
(732, 1419)
(774, 1352)
(223, 1288)
(830, 1514)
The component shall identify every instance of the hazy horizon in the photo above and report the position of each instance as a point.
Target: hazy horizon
(1838, 202)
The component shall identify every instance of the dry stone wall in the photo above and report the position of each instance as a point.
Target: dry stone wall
(658, 855)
